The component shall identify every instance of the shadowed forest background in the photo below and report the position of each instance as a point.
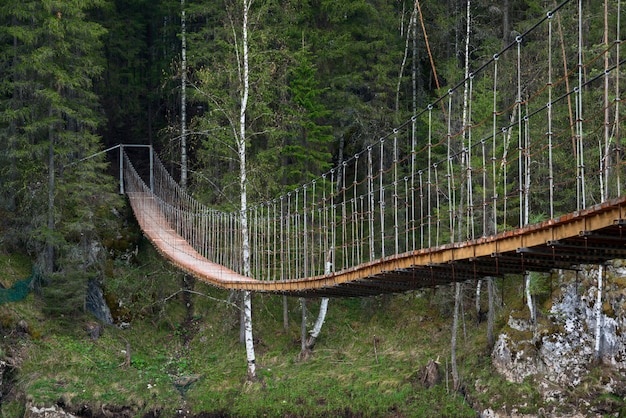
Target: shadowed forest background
(327, 77)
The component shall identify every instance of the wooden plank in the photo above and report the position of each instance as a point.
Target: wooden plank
(518, 250)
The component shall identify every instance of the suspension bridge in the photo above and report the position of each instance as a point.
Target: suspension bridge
(518, 167)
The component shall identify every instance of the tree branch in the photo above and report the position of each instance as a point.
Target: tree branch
(200, 294)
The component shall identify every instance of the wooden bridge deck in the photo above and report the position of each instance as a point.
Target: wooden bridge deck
(591, 236)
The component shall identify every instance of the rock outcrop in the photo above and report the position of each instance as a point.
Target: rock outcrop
(559, 352)
(46, 412)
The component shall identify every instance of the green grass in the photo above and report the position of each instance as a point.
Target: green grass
(359, 366)
(14, 267)
(366, 361)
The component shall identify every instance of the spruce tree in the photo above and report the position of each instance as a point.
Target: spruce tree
(306, 152)
(49, 115)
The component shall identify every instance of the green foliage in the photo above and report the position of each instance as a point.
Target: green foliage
(323, 86)
(12, 409)
(306, 150)
(67, 366)
(316, 80)
(64, 293)
(48, 119)
(540, 284)
(366, 361)
(129, 83)
(132, 292)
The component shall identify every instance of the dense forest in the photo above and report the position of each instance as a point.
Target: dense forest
(325, 78)
(78, 77)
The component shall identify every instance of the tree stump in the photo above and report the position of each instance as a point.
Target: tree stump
(429, 374)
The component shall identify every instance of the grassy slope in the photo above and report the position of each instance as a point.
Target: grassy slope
(366, 362)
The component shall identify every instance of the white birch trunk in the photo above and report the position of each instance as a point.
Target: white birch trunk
(529, 298)
(247, 297)
(466, 66)
(410, 30)
(317, 328)
(183, 99)
(247, 306)
(598, 313)
(321, 316)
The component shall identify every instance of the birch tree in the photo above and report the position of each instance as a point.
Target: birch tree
(307, 348)
(223, 82)
(529, 296)
(241, 148)
(598, 314)
(183, 97)
(317, 328)
(410, 35)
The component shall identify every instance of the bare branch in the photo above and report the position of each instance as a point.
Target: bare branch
(200, 294)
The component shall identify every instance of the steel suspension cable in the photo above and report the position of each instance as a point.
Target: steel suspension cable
(437, 205)
(395, 192)
(408, 225)
(429, 183)
(382, 198)
(449, 173)
(370, 198)
(579, 113)
(470, 197)
(494, 137)
(617, 99)
(549, 112)
(283, 275)
(344, 221)
(362, 244)
(275, 255)
(326, 229)
(504, 167)
(333, 218)
(520, 174)
(312, 269)
(604, 151)
(413, 168)
(305, 241)
(270, 240)
(527, 145)
(289, 254)
(298, 234)
(421, 215)
(355, 215)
